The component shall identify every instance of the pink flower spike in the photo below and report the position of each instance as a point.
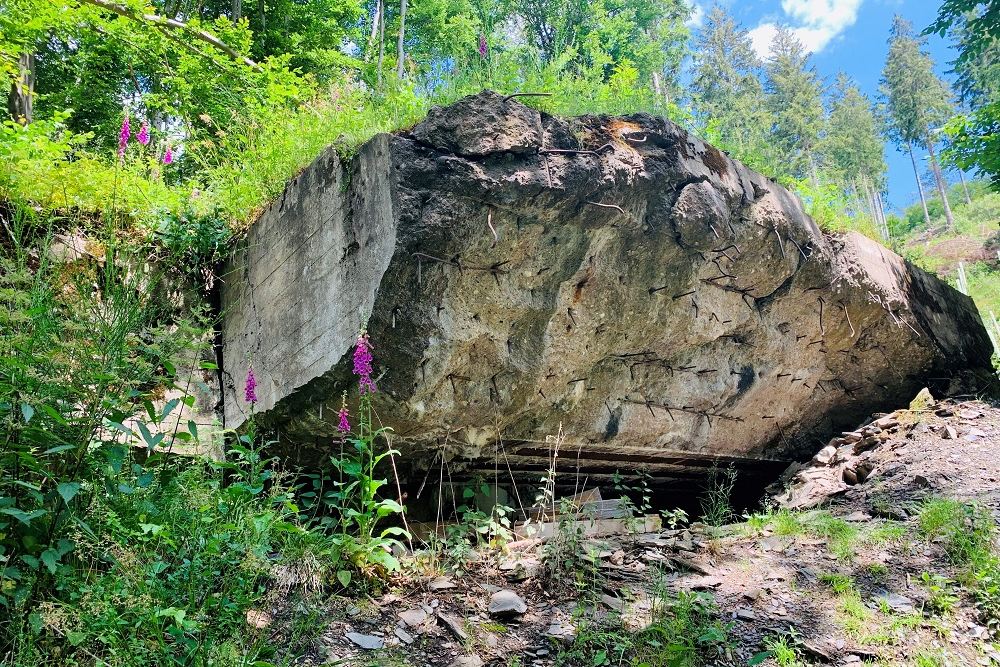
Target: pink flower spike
(344, 426)
(363, 364)
(168, 155)
(123, 136)
(250, 388)
(483, 48)
(143, 137)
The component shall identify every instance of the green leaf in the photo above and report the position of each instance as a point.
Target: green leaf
(75, 638)
(344, 577)
(27, 412)
(151, 528)
(118, 426)
(24, 517)
(151, 440)
(64, 546)
(386, 560)
(35, 621)
(59, 448)
(169, 407)
(53, 413)
(759, 658)
(68, 490)
(51, 559)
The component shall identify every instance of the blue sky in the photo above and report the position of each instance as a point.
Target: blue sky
(848, 36)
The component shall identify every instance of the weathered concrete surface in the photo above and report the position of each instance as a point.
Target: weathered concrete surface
(617, 276)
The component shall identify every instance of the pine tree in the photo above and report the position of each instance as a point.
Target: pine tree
(852, 148)
(918, 101)
(727, 93)
(794, 97)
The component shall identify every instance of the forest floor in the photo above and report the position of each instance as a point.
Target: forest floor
(831, 573)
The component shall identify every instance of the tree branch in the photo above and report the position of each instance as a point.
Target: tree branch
(164, 22)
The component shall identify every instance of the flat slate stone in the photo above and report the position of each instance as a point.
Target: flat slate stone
(367, 642)
(413, 617)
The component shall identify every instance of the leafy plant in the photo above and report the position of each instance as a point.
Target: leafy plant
(356, 509)
(716, 498)
(636, 496)
(940, 598)
(784, 648)
(567, 561)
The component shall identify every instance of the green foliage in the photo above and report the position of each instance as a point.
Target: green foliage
(716, 498)
(966, 530)
(852, 149)
(794, 99)
(973, 136)
(974, 141)
(73, 364)
(682, 633)
(568, 561)
(109, 550)
(968, 533)
(195, 244)
(783, 648)
(357, 510)
(636, 495)
(840, 583)
(728, 96)
(475, 527)
(917, 99)
(940, 599)
(829, 206)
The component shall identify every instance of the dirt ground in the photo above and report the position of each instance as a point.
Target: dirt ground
(842, 573)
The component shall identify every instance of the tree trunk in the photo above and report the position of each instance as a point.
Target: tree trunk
(376, 22)
(658, 85)
(965, 188)
(400, 47)
(920, 187)
(881, 213)
(939, 179)
(381, 40)
(21, 96)
(237, 10)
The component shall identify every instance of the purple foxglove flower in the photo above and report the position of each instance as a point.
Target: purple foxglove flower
(483, 49)
(123, 136)
(344, 426)
(168, 155)
(250, 388)
(143, 137)
(363, 364)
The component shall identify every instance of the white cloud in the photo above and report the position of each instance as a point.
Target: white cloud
(814, 22)
(761, 37)
(697, 16)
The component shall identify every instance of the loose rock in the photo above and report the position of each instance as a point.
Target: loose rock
(506, 604)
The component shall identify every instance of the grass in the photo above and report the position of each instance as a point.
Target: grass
(966, 529)
(783, 649)
(840, 583)
(929, 659)
(968, 533)
(684, 632)
(876, 570)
